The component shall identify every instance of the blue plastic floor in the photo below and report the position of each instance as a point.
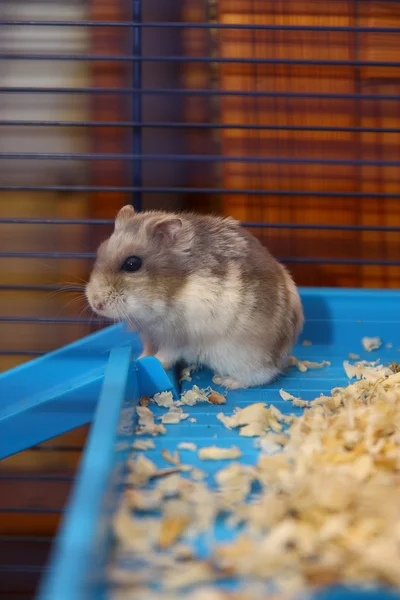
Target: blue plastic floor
(336, 321)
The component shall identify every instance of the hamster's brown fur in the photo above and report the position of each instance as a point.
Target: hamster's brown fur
(207, 292)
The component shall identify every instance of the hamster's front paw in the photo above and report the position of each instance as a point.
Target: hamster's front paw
(147, 350)
(230, 383)
(167, 359)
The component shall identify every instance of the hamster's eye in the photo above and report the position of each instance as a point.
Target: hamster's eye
(131, 264)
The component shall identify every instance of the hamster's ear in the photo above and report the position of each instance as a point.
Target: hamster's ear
(124, 215)
(168, 229)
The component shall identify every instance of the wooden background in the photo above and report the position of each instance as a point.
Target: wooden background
(240, 110)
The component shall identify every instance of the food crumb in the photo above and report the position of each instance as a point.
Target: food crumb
(306, 343)
(144, 401)
(216, 398)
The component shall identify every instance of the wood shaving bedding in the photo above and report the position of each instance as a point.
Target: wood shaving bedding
(327, 512)
(173, 459)
(190, 446)
(186, 373)
(215, 453)
(164, 399)
(143, 445)
(366, 369)
(295, 401)
(174, 416)
(195, 395)
(254, 419)
(172, 527)
(304, 365)
(146, 425)
(371, 343)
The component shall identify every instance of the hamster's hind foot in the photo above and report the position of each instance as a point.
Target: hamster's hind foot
(255, 379)
(229, 383)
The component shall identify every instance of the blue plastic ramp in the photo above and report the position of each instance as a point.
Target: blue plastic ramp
(336, 322)
(59, 391)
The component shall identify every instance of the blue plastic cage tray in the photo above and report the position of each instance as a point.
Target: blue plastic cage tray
(99, 377)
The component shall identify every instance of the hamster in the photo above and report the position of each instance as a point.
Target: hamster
(199, 289)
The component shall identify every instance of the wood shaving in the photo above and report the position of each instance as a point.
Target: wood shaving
(190, 446)
(270, 443)
(141, 470)
(198, 474)
(143, 445)
(191, 397)
(166, 472)
(354, 356)
(134, 534)
(304, 365)
(193, 573)
(371, 371)
(186, 468)
(172, 527)
(254, 419)
(164, 399)
(216, 453)
(146, 425)
(306, 343)
(192, 420)
(144, 500)
(216, 398)
(173, 459)
(174, 416)
(326, 510)
(186, 373)
(371, 343)
(295, 401)
(170, 485)
(234, 483)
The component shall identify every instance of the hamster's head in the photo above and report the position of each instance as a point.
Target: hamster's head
(140, 269)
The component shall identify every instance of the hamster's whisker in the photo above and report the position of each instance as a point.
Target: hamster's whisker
(75, 283)
(125, 316)
(64, 289)
(69, 304)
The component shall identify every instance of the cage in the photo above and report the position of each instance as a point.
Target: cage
(283, 114)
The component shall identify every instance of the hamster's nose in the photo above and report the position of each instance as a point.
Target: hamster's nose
(97, 305)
